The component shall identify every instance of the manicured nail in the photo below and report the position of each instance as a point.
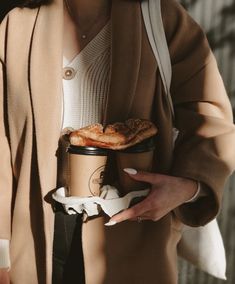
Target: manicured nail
(130, 171)
(110, 223)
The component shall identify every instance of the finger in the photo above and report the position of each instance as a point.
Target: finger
(152, 215)
(148, 177)
(139, 219)
(156, 215)
(131, 213)
(127, 214)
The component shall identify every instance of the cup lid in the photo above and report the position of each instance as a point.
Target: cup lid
(87, 150)
(146, 145)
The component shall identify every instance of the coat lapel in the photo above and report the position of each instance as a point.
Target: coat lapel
(125, 58)
(46, 88)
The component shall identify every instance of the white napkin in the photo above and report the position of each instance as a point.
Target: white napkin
(109, 201)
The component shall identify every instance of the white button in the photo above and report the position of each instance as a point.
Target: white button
(68, 73)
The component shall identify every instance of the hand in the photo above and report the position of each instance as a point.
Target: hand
(4, 276)
(167, 193)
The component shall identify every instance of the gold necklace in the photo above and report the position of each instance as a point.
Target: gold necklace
(84, 35)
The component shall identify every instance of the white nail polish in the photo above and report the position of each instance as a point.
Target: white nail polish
(111, 223)
(130, 171)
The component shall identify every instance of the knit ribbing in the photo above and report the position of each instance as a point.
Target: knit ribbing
(85, 94)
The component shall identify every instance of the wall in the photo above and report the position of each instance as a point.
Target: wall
(217, 17)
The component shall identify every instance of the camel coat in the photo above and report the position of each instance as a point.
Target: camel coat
(30, 125)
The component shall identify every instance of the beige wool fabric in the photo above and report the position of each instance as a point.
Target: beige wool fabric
(30, 116)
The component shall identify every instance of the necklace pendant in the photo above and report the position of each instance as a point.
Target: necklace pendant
(84, 36)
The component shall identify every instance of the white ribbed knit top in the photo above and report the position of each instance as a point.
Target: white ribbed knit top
(85, 94)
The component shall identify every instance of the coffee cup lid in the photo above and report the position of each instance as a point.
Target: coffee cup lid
(145, 146)
(87, 150)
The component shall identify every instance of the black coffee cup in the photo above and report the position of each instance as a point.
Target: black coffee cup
(139, 157)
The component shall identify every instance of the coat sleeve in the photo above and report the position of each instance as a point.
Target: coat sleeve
(6, 176)
(204, 150)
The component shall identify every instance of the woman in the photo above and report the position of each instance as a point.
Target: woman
(104, 43)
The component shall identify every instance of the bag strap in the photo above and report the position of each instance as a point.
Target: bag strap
(151, 10)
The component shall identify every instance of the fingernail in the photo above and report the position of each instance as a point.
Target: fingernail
(110, 223)
(130, 171)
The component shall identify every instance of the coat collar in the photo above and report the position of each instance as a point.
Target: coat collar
(125, 58)
(46, 74)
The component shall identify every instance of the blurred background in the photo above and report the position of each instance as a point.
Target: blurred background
(217, 17)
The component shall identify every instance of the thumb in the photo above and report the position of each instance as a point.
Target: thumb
(148, 177)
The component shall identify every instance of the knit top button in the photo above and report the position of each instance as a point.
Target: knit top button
(68, 73)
